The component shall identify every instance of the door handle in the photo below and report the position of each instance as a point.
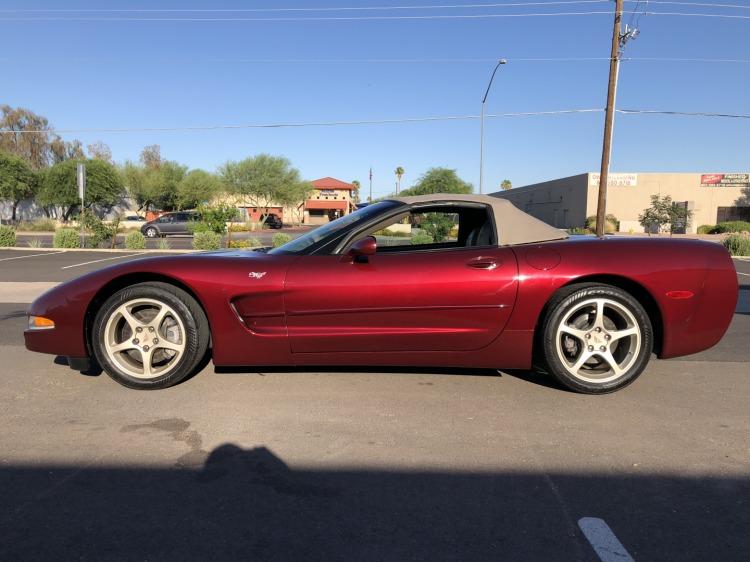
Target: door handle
(482, 263)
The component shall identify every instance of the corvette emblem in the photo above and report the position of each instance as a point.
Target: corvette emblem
(256, 274)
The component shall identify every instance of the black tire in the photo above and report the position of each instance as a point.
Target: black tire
(152, 232)
(194, 338)
(574, 307)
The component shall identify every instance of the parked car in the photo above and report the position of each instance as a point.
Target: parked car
(133, 218)
(465, 281)
(273, 221)
(170, 223)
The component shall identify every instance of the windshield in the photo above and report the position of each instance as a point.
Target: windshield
(333, 228)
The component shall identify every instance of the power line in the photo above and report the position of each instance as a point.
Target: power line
(306, 124)
(305, 18)
(198, 128)
(360, 8)
(682, 113)
(358, 18)
(318, 9)
(699, 4)
(141, 60)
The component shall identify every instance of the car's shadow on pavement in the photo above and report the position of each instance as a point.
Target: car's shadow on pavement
(532, 376)
(232, 503)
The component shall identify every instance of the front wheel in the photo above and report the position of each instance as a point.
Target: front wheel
(151, 232)
(150, 335)
(596, 339)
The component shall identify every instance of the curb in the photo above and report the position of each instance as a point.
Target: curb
(99, 250)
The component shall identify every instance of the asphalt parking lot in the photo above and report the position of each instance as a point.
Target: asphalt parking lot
(368, 465)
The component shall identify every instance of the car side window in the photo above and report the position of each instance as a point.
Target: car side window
(165, 218)
(435, 228)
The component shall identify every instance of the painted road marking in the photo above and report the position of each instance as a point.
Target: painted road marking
(33, 255)
(604, 541)
(18, 292)
(103, 259)
(745, 274)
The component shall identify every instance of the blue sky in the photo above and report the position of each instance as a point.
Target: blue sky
(156, 74)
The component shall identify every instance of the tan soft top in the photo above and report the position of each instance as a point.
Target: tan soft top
(513, 225)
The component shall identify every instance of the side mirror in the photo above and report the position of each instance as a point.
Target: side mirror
(362, 249)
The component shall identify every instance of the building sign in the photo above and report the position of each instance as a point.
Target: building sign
(725, 180)
(327, 192)
(617, 180)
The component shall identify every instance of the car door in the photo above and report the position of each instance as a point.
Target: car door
(179, 224)
(453, 298)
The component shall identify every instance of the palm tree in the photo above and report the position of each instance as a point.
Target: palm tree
(399, 173)
(355, 195)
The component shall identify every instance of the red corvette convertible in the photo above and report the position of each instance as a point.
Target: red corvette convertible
(438, 280)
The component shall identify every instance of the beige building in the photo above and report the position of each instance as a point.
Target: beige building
(566, 202)
(329, 200)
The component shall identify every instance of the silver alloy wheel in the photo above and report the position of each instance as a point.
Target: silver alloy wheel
(598, 340)
(151, 232)
(145, 338)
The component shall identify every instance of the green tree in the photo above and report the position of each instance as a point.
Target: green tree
(439, 180)
(658, 215)
(505, 185)
(59, 188)
(261, 181)
(154, 186)
(399, 171)
(197, 187)
(437, 225)
(17, 180)
(294, 197)
(356, 190)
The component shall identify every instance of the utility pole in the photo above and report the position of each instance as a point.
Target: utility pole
(369, 199)
(614, 69)
(619, 40)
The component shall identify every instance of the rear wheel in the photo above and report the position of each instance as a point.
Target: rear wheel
(150, 335)
(597, 338)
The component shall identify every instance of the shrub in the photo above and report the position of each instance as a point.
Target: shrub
(207, 240)
(98, 231)
(247, 244)
(279, 239)
(66, 238)
(737, 244)
(34, 243)
(135, 241)
(38, 225)
(611, 224)
(706, 229)
(163, 244)
(7, 236)
(731, 226)
(394, 233)
(421, 238)
(579, 230)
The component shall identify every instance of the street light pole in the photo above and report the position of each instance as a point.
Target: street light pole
(481, 127)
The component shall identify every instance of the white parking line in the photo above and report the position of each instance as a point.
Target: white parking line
(604, 541)
(745, 274)
(33, 255)
(103, 259)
